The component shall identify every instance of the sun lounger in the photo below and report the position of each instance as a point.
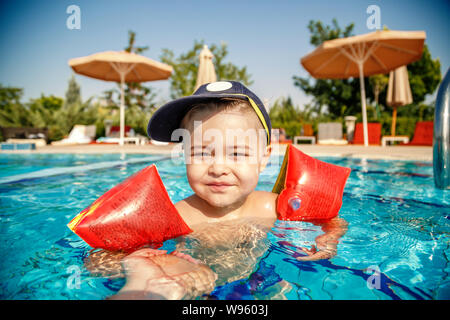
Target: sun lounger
(115, 132)
(36, 136)
(386, 139)
(135, 140)
(80, 134)
(330, 133)
(308, 134)
(373, 131)
(423, 134)
(37, 142)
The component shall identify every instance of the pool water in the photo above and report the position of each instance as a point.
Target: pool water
(396, 246)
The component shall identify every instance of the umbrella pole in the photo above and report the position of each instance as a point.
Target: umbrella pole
(122, 70)
(394, 121)
(122, 108)
(363, 103)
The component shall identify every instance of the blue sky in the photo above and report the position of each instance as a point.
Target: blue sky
(269, 37)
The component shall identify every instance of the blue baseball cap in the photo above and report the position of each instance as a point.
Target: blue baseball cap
(167, 118)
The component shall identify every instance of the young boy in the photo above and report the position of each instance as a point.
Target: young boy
(226, 134)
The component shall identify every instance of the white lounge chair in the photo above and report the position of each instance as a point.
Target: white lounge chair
(330, 133)
(80, 134)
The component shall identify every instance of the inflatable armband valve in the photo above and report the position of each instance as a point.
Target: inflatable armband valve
(136, 212)
(309, 189)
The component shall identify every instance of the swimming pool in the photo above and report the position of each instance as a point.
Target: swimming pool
(397, 240)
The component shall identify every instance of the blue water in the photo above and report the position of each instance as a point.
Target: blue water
(397, 241)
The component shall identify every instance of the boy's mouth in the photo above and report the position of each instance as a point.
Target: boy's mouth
(219, 186)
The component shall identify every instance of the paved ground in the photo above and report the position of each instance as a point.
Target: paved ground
(372, 152)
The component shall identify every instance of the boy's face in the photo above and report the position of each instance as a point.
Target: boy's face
(224, 157)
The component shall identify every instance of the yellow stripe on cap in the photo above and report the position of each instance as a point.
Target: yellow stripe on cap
(258, 113)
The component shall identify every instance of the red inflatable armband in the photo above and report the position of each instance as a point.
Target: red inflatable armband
(309, 189)
(136, 212)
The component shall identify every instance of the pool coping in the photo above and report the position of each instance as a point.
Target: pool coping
(349, 151)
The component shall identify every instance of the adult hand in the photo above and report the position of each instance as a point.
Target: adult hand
(153, 274)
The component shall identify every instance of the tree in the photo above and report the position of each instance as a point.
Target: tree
(73, 93)
(42, 111)
(72, 111)
(378, 83)
(54, 113)
(182, 81)
(283, 114)
(321, 33)
(12, 112)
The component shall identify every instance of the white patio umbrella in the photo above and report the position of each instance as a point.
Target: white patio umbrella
(120, 66)
(206, 72)
(399, 92)
(364, 55)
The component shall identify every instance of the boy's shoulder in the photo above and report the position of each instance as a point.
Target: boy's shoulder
(188, 212)
(264, 203)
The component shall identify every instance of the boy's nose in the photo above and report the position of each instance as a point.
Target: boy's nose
(218, 168)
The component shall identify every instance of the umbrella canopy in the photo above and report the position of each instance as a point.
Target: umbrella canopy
(120, 66)
(399, 92)
(364, 55)
(206, 72)
(109, 66)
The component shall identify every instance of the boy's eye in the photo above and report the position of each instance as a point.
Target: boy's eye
(239, 154)
(201, 154)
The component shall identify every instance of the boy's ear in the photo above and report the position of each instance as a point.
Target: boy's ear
(265, 158)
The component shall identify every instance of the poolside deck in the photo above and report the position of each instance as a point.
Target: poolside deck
(352, 151)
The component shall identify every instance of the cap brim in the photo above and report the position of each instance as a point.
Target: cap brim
(167, 118)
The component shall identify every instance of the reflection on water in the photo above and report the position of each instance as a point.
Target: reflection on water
(229, 248)
(398, 222)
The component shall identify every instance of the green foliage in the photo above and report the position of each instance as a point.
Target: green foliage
(424, 76)
(321, 33)
(73, 93)
(283, 114)
(336, 98)
(183, 79)
(378, 83)
(9, 96)
(12, 112)
(50, 112)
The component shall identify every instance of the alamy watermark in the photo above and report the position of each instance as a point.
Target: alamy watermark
(74, 279)
(73, 21)
(374, 281)
(374, 20)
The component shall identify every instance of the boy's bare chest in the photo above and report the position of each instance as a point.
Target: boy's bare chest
(262, 205)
